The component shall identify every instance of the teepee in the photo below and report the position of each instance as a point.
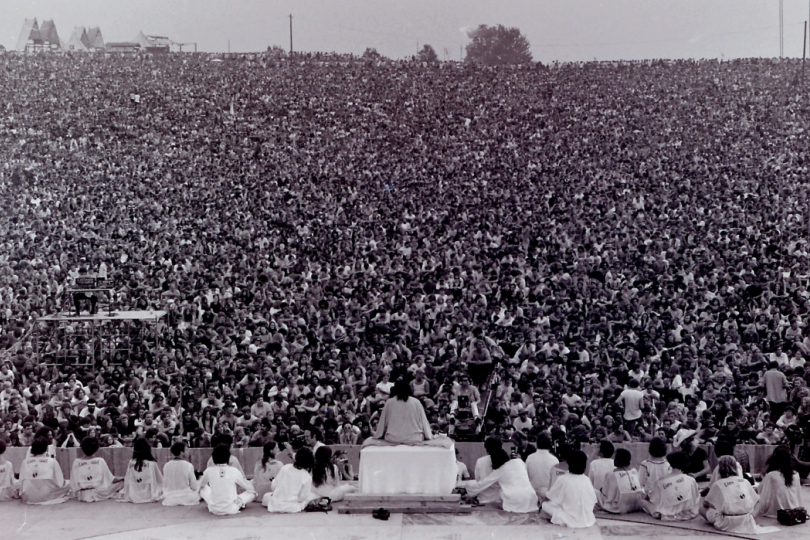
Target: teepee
(78, 41)
(29, 36)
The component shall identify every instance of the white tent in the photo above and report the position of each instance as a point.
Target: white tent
(29, 36)
(78, 41)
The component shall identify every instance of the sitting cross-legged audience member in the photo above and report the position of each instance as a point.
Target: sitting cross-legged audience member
(675, 497)
(219, 482)
(143, 482)
(655, 468)
(180, 486)
(265, 470)
(781, 487)
(539, 465)
(602, 466)
(292, 487)
(9, 487)
(571, 498)
(730, 503)
(622, 491)
(90, 477)
(512, 479)
(41, 478)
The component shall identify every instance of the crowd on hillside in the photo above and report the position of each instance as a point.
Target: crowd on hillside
(599, 251)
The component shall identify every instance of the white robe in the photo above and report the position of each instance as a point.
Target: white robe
(233, 462)
(180, 485)
(292, 490)
(218, 489)
(9, 487)
(42, 481)
(92, 481)
(571, 500)
(516, 489)
(652, 470)
(483, 468)
(673, 498)
(732, 505)
(539, 465)
(333, 487)
(621, 493)
(775, 495)
(263, 476)
(598, 471)
(144, 486)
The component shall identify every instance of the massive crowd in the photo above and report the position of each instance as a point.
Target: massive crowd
(599, 251)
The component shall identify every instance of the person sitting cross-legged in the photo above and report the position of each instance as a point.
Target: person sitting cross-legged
(675, 497)
(90, 477)
(571, 498)
(622, 491)
(180, 485)
(143, 482)
(219, 482)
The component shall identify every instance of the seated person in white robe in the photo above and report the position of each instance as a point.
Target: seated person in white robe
(41, 478)
(539, 465)
(180, 485)
(729, 505)
(781, 487)
(561, 468)
(621, 492)
(602, 466)
(674, 497)
(571, 498)
(655, 468)
(483, 468)
(143, 482)
(218, 485)
(227, 440)
(511, 477)
(721, 448)
(326, 477)
(90, 477)
(403, 421)
(292, 487)
(266, 470)
(9, 487)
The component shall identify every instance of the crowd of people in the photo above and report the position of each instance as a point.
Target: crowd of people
(597, 251)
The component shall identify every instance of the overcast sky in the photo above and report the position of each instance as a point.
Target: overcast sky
(563, 30)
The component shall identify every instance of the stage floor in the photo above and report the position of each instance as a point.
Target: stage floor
(118, 521)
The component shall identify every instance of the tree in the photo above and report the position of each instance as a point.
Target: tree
(497, 46)
(428, 54)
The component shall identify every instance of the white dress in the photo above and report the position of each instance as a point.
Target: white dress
(333, 487)
(673, 498)
(571, 500)
(92, 481)
(42, 481)
(180, 485)
(539, 465)
(483, 467)
(732, 505)
(775, 495)
(517, 492)
(292, 490)
(263, 477)
(144, 486)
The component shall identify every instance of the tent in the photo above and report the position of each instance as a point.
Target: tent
(78, 41)
(49, 36)
(142, 40)
(94, 39)
(29, 36)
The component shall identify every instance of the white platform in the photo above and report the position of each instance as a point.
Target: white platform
(423, 470)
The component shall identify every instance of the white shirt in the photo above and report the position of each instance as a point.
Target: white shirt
(539, 467)
(223, 479)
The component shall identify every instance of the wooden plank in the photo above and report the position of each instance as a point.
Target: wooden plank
(451, 509)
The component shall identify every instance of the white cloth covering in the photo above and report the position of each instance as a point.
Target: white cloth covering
(539, 465)
(517, 493)
(144, 486)
(42, 481)
(571, 500)
(263, 476)
(92, 481)
(775, 495)
(9, 487)
(673, 498)
(180, 485)
(292, 490)
(218, 489)
(425, 470)
(732, 503)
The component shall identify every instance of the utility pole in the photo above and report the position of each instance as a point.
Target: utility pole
(291, 48)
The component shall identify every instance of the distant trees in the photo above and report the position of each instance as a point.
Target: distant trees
(497, 46)
(427, 54)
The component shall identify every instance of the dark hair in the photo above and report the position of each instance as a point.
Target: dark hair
(2, 447)
(577, 461)
(315, 433)
(89, 446)
(723, 448)
(782, 460)
(323, 465)
(39, 446)
(499, 457)
(623, 458)
(304, 459)
(543, 441)
(491, 444)
(658, 447)
(221, 455)
(678, 460)
(401, 390)
(178, 448)
(268, 453)
(141, 451)
(606, 448)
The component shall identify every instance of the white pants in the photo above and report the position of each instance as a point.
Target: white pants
(242, 500)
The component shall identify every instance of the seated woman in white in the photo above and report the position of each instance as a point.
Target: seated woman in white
(143, 482)
(266, 470)
(655, 468)
(621, 492)
(674, 497)
(729, 505)
(9, 487)
(292, 487)
(219, 482)
(90, 477)
(602, 466)
(326, 477)
(571, 498)
(41, 477)
(781, 487)
(511, 477)
(180, 486)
